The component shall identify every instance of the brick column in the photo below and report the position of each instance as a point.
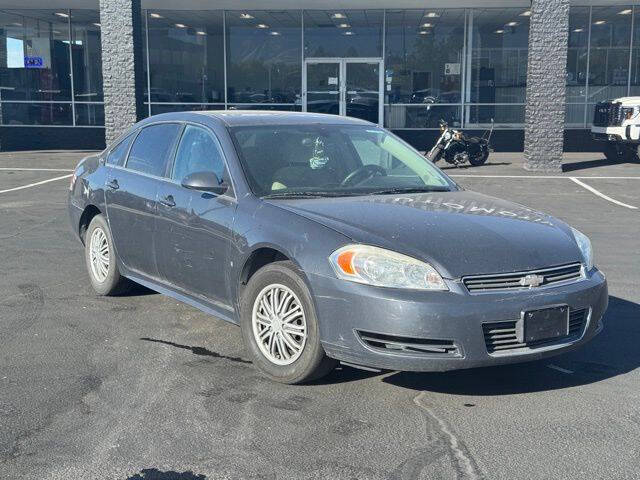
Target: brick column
(546, 80)
(122, 70)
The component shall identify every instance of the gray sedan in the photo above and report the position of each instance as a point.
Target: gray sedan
(330, 239)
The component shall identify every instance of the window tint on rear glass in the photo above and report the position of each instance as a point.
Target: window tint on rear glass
(118, 154)
(152, 148)
(198, 152)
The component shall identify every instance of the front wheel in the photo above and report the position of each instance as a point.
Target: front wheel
(101, 260)
(280, 327)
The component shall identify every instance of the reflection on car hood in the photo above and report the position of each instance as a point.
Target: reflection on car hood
(461, 233)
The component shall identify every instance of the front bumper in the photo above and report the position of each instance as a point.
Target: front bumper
(347, 312)
(627, 133)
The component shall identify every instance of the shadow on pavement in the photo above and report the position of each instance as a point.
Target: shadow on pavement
(447, 166)
(205, 352)
(599, 162)
(617, 344)
(155, 474)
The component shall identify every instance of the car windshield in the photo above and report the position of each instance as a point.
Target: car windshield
(332, 160)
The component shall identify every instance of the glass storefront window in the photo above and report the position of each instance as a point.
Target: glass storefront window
(90, 114)
(86, 53)
(28, 113)
(635, 54)
(423, 58)
(499, 55)
(343, 33)
(264, 57)
(577, 56)
(186, 59)
(35, 47)
(609, 53)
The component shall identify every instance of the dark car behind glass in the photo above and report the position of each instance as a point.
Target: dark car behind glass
(329, 239)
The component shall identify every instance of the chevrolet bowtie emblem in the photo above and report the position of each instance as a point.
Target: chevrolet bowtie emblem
(532, 281)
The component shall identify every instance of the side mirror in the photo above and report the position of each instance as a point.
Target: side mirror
(204, 181)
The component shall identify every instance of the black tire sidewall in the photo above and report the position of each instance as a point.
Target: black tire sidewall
(307, 364)
(113, 280)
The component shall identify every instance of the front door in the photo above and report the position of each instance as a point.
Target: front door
(349, 87)
(194, 227)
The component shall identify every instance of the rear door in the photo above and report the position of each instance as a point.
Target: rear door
(194, 227)
(130, 194)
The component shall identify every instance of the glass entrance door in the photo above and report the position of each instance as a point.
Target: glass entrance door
(344, 86)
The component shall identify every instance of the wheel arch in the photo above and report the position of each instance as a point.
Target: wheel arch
(88, 213)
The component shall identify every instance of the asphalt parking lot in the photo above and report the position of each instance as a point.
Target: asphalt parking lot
(143, 387)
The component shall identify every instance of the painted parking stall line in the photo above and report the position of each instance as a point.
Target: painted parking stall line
(25, 169)
(36, 183)
(601, 195)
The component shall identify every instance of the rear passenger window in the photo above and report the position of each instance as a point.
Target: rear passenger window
(152, 147)
(118, 154)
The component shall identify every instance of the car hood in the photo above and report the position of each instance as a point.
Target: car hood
(460, 233)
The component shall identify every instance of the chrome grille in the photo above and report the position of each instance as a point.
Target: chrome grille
(502, 336)
(509, 281)
(607, 114)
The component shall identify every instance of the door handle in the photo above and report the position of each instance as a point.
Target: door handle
(113, 184)
(168, 201)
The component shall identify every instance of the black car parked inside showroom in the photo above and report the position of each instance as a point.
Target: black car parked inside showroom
(329, 239)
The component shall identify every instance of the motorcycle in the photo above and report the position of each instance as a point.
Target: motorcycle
(456, 148)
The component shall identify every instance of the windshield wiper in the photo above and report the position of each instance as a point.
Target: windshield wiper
(303, 195)
(411, 190)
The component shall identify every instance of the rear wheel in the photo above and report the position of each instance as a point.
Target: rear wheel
(280, 327)
(479, 160)
(101, 261)
(611, 152)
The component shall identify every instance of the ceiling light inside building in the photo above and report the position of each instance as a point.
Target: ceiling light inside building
(628, 11)
(600, 22)
(427, 25)
(97, 25)
(344, 25)
(499, 31)
(16, 24)
(246, 16)
(181, 25)
(526, 13)
(274, 33)
(423, 32)
(155, 15)
(201, 32)
(338, 15)
(432, 15)
(63, 15)
(578, 30)
(512, 24)
(262, 25)
(348, 33)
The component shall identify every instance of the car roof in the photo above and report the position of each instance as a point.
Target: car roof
(235, 118)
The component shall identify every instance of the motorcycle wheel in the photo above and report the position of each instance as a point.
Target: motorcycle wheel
(479, 160)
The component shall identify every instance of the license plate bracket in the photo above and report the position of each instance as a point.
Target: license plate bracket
(545, 323)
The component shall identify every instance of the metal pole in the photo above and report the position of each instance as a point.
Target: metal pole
(224, 53)
(73, 93)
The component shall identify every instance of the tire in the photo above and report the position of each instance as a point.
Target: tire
(105, 280)
(307, 361)
(476, 162)
(611, 152)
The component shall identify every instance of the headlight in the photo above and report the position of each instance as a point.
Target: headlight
(585, 247)
(384, 268)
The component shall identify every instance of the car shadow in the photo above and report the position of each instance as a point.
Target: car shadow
(595, 163)
(614, 352)
(155, 474)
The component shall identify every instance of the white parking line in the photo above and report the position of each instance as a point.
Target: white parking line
(560, 369)
(602, 195)
(23, 169)
(542, 176)
(36, 184)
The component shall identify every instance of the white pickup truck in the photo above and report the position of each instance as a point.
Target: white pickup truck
(616, 123)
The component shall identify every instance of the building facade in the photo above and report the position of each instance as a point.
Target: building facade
(71, 70)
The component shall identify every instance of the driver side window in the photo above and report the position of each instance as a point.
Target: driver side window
(198, 152)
